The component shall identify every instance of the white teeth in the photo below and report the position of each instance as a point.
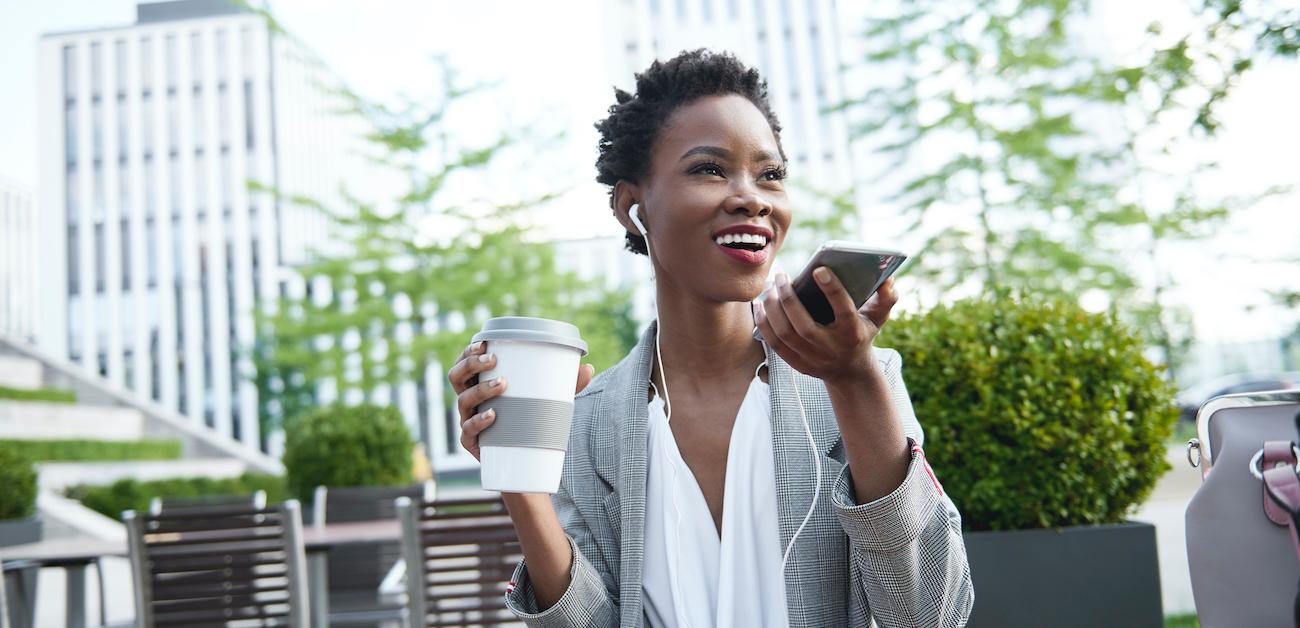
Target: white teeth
(742, 238)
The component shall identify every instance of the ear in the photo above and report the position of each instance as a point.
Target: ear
(627, 194)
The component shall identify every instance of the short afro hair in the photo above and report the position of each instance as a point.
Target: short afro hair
(630, 131)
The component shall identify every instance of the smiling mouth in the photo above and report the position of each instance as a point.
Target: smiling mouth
(743, 242)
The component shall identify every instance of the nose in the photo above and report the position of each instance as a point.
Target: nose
(748, 202)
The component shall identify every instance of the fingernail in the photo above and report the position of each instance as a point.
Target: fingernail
(782, 279)
(485, 357)
(490, 414)
(478, 346)
(822, 274)
(496, 383)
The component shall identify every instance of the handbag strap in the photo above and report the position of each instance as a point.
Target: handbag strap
(1282, 491)
(1276, 453)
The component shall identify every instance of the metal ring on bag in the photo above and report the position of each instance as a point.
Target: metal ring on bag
(1258, 458)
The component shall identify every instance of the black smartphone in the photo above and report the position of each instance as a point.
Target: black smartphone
(860, 268)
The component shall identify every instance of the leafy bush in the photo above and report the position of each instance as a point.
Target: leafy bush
(92, 450)
(56, 395)
(1037, 413)
(122, 495)
(17, 484)
(341, 445)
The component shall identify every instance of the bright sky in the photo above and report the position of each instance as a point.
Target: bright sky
(548, 60)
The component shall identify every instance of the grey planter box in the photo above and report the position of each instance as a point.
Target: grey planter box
(1083, 576)
(19, 531)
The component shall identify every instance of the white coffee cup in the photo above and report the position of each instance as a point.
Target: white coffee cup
(523, 450)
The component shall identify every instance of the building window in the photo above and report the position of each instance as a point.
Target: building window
(99, 257)
(74, 261)
(72, 196)
(97, 127)
(69, 72)
(70, 133)
(151, 250)
(119, 65)
(145, 49)
(125, 234)
(169, 60)
(223, 68)
(122, 135)
(97, 200)
(96, 69)
(146, 124)
(248, 114)
(196, 57)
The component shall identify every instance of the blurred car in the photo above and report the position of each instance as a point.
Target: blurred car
(1191, 398)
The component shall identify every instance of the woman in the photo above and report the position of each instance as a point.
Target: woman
(682, 509)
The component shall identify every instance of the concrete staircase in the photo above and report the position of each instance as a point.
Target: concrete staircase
(104, 412)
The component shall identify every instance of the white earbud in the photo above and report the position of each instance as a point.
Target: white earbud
(635, 213)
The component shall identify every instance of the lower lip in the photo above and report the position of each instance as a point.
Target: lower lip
(743, 256)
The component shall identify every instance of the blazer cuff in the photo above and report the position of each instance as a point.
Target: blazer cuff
(896, 520)
(581, 602)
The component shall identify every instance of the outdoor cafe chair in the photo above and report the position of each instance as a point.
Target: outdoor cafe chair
(216, 503)
(460, 553)
(4, 608)
(211, 566)
(357, 571)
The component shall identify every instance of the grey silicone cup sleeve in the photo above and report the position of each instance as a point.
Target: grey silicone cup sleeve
(528, 422)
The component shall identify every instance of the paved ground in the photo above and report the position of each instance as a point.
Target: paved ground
(1165, 509)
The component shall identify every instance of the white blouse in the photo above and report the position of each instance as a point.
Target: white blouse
(692, 578)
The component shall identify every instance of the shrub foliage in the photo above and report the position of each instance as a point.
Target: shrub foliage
(55, 395)
(339, 445)
(90, 450)
(135, 495)
(1037, 413)
(17, 484)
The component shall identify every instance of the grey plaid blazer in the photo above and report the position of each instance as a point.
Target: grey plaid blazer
(899, 559)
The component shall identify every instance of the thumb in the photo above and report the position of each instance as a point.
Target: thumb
(585, 373)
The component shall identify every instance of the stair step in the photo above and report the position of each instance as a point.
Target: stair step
(19, 372)
(39, 420)
(56, 476)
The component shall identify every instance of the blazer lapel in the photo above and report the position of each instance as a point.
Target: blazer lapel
(794, 467)
(630, 412)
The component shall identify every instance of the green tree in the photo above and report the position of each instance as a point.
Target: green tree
(1030, 163)
(401, 295)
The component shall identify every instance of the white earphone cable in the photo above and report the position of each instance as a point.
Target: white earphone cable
(663, 377)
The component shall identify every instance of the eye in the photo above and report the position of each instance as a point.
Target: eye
(774, 174)
(708, 168)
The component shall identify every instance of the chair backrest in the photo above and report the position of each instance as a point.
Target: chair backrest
(460, 554)
(217, 503)
(363, 503)
(207, 566)
(4, 608)
(357, 571)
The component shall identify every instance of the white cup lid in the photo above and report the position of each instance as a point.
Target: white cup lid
(532, 329)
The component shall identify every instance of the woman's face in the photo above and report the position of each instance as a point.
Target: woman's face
(714, 201)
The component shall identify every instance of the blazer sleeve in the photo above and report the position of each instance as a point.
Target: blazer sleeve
(907, 554)
(591, 599)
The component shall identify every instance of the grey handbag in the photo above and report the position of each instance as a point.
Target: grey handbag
(1244, 565)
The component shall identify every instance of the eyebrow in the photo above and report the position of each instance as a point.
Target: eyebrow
(722, 153)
